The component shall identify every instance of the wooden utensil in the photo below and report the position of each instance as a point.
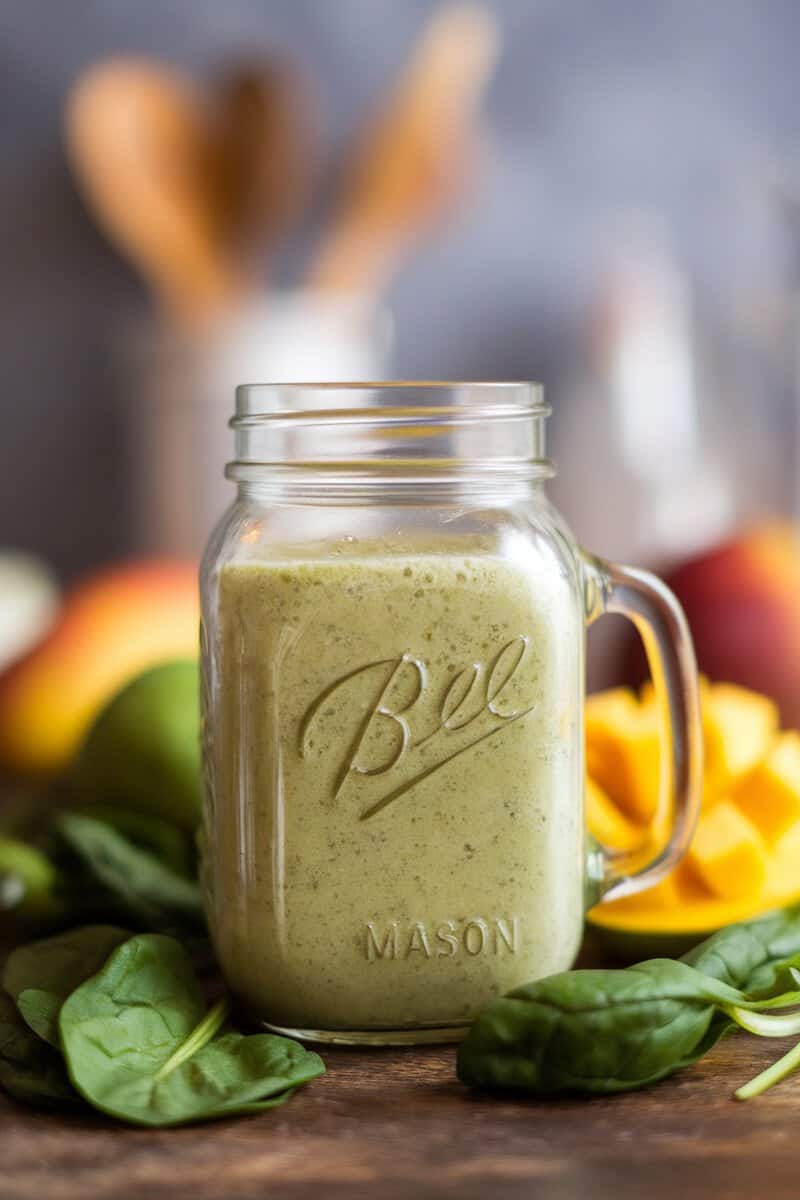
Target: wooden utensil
(138, 144)
(409, 165)
(262, 155)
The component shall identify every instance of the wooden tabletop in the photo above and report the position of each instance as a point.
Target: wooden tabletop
(397, 1123)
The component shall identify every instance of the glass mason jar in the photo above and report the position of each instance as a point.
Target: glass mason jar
(393, 682)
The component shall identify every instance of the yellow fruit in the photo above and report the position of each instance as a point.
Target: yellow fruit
(745, 855)
(607, 823)
(728, 854)
(112, 626)
(622, 752)
(770, 794)
(673, 893)
(738, 726)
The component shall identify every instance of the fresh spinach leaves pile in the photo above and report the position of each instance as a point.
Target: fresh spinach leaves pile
(78, 866)
(605, 1031)
(121, 1022)
(114, 1015)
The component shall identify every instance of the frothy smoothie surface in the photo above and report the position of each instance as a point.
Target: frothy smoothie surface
(394, 822)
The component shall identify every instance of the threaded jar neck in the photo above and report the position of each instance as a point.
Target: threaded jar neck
(346, 439)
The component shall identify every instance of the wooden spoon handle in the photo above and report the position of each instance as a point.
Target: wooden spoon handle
(262, 153)
(408, 166)
(137, 143)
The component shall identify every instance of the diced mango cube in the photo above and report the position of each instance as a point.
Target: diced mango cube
(679, 888)
(770, 794)
(622, 752)
(691, 888)
(606, 822)
(727, 853)
(738, 726)
(606, 710)
(665, 894)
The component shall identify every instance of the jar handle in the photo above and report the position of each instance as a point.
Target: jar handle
(660, 621)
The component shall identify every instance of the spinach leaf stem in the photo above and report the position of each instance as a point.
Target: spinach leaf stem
(774, 1074)
(200, 1036)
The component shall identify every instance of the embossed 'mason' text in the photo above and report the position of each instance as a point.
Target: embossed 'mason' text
(442, 939)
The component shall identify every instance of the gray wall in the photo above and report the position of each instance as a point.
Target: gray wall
(672, 104)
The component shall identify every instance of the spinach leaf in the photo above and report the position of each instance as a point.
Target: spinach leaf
(756, 956)
(595, 1031)
(169, 843)
(29, 1070)
(40, 975)
(148, 889)
(138, 1045)
(753, 956)
(609, 1031)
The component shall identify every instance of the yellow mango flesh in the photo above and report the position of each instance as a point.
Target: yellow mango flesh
(728, 853)
(770, 794)
(647, 912)
(607, 823)
(622, 752)
(738, 726)
(674, 892)
(745, 855)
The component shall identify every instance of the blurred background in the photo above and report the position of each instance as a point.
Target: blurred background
(597, 194)
(632, 162)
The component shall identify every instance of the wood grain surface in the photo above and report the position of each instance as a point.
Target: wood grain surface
(397, 1123)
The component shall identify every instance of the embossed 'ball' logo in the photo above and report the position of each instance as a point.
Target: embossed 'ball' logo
(385, 735)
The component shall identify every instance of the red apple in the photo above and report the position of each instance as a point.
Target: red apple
(112, 626)
(742, 600)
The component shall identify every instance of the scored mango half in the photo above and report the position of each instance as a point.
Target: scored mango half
(745, 854)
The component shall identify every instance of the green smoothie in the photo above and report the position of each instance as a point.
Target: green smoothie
(394, 824)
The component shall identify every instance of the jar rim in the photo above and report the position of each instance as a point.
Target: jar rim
(486, 399)
(410, 433)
